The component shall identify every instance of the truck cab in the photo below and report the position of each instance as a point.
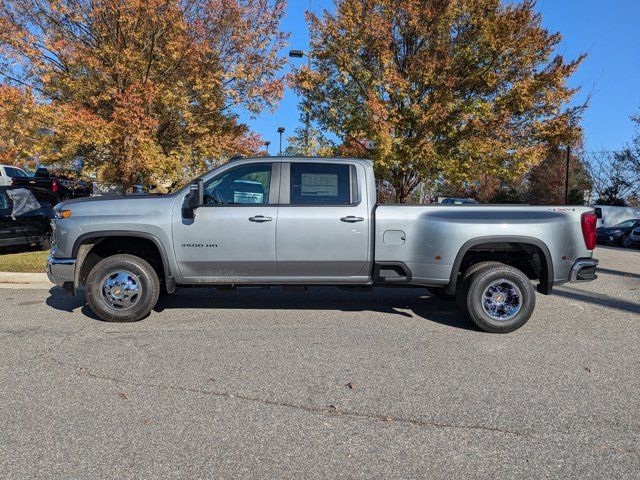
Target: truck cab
(266, 221)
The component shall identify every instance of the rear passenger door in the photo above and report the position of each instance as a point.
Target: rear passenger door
(323, 228)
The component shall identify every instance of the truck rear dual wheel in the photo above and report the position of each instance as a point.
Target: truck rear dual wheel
(498, 298)
(122, 288)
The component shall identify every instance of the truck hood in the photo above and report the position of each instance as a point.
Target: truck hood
(119, 205)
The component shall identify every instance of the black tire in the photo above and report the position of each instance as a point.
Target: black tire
(463, 282)
(441, 293)
(142, 304)
(626, 242)
(474, 295)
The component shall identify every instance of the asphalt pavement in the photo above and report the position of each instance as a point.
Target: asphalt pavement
(261, 383)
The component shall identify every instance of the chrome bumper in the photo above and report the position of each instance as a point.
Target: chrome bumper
(61, 271)
(583, 270)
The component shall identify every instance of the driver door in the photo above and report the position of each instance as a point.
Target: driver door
(232, 237)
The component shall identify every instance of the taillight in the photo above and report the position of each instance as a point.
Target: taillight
(588, 223)
(54, 185)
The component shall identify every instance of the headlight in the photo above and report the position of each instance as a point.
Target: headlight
(62, 213)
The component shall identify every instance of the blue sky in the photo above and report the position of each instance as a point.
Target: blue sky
(607, 30)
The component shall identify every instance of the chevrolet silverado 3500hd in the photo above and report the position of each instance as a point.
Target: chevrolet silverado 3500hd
(315, 221)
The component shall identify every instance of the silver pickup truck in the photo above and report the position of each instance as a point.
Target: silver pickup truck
(315, 221)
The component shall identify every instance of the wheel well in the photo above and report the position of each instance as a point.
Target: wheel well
(92, 250)
(531, 259)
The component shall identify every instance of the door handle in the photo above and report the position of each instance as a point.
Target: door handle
(260, 219)
(352, 219)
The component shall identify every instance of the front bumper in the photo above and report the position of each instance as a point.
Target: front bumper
(583, 270)
(61, 271)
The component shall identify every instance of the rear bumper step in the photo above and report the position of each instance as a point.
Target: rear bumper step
(583, 270)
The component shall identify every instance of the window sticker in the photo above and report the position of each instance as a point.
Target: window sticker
(319, 185)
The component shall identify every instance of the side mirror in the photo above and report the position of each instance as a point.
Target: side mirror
(194, 199)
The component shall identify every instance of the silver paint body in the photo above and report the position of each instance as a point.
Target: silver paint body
(310, 244)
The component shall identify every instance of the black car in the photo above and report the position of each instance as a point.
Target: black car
(617, 234)
(25, 216)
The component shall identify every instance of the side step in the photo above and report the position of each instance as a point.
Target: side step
(391, 273)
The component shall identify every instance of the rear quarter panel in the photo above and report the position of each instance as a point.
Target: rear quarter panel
(436, 234)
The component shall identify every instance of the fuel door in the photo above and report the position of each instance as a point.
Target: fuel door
(394, 238)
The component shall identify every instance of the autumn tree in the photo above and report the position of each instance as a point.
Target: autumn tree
(20, 121)
(144, 91)
(307, 142)
(546, 181)
(433, 89)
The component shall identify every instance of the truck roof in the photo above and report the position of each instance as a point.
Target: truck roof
(283, 158)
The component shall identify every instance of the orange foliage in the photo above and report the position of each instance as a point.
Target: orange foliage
(143, 91)
(433, 89)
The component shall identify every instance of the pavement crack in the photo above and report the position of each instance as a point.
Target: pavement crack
(329, 410)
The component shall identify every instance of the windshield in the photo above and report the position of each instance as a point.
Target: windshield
(626, 224)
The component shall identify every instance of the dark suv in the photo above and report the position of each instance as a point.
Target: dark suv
(617, 234)
(25, 216)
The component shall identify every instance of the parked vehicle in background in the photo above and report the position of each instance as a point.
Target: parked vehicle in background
(107, 189)
(65, 187)
(617, 234)
(8, 173)
(609, 215)
(634, 238)
(315, 221)
(458, 201)
(25, 216)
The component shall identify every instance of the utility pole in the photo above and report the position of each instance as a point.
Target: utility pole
(280, 131)
(266, 144)
(566, 176)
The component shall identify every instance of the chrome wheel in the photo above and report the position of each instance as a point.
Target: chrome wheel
(121, 289)
(502, 300)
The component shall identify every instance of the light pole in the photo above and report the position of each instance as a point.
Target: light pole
(280, 131)
(300, 54)
(566, 176)
(266, 144)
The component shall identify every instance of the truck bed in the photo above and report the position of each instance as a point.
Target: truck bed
(430, 239)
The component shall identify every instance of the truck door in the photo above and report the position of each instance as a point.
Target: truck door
(232, 237)
(323, 232)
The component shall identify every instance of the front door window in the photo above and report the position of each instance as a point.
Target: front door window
(246, 185)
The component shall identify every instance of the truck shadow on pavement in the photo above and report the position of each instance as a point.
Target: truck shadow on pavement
(400, 302)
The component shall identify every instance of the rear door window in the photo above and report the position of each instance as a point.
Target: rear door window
(320, 184)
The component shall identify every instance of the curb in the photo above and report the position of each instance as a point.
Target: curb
(24, 280)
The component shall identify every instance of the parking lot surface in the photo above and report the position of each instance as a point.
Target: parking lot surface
(324, 384)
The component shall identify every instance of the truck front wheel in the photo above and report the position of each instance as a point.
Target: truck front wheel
(499, 298)
(122, 288)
